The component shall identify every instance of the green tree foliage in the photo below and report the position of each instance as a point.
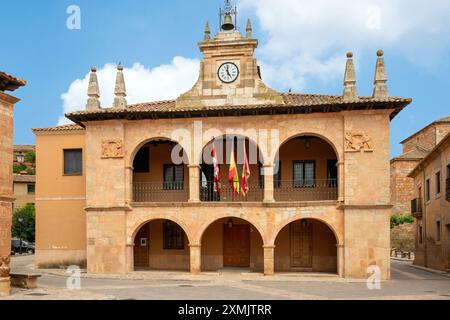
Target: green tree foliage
(397, 220)
(18, 168)
(23, 224)
(30, 156)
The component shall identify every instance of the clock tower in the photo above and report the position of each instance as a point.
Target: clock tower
(229, 72)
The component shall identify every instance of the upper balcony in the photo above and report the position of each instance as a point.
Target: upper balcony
(416, 208)
(306, 170)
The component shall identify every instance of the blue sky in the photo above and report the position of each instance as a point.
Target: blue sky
(296, 51)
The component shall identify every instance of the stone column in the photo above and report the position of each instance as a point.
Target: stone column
(194, 183)
(268, 183)
(129, 185)
(6, 188)
(269, 260)
(340, 260)
(196, 258)
(341, 187)
(130, 257)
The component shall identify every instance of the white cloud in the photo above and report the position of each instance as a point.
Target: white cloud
(306, 38)
(143, 85)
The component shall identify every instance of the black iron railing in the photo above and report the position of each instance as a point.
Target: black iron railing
(160, 192)
(307, 190)
(208, 193)
(284, 191)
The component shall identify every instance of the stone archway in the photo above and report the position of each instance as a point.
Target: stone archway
(232, 242)
(160, 244)
(306, 168)
(159, 172)
(243, 149)
(306, 245)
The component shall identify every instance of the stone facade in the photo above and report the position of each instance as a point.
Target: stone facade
(6, 176)
(433, 208)
(113, 218)
(401, 238)
(415, 148)
(402, 187)
(338, 215)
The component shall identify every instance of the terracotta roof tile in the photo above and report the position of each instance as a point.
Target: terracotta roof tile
(67, 127)
(10, 83)
(296, 101)
(445, 119)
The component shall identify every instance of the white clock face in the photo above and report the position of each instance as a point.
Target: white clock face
(228, 72)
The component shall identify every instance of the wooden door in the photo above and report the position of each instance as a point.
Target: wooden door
(301, 245)
(236, 245)
(142, 248)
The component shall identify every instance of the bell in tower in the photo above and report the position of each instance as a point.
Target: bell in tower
(228, 23)
(227, 13)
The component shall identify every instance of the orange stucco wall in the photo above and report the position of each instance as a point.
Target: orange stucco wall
(60, 202)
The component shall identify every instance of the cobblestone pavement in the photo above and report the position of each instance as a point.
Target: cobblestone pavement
(407, 283)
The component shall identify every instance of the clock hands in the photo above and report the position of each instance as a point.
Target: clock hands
(228, 71)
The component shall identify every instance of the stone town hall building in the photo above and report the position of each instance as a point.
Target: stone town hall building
(111, 195)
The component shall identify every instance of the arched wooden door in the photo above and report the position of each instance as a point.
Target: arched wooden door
(236, 245)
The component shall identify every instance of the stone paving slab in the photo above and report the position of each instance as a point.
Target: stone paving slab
(207, 276)
(43, 293)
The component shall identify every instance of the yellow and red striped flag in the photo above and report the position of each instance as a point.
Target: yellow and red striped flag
(233, 176)
(245, 175)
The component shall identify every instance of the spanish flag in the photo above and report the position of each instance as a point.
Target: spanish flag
(233, 176)
(245, 175)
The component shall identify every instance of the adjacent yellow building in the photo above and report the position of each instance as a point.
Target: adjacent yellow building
(135, 187)
(24, 190)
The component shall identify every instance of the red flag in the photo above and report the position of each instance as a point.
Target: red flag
(216, 169)
(233, 176)
(245, 175)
